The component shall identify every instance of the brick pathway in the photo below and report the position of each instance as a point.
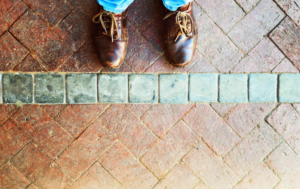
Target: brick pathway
(199, 146)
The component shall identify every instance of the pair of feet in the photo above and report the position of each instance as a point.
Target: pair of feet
(180, 36)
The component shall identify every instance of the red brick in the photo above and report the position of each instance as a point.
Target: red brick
(291, 8)
(44, 44)
(162, 65)
(6, 111)
(260, 177)
(123, 68)
(263, 58)
(143, 13)
(86, 149)
(212, 128)
(11, 52)
(180, 177)
(139, 109)
(252, 149)
(43, 130)
(12, 141)
(129, 129)
(12, 178)
(97, 177)
(31, 186)
(52, 11)
(280, 185)
(53, 110)
(210, 168)
(39, 169)
(89, 7)
(246, 116)
(287, 37)
(29, 64)
(140, 54)
(286, 120)
(286, 67)
(297, 107)
(285, 163)
(122, 165)
(247, 5)
(154, 34)
(84, 60)
(84, 115)
(216, 46)
(12, 15)
(75, 29)
(6, 5)
(161, 117)
(223, 109)
(170, 149)
(203, 66)
(225, 13)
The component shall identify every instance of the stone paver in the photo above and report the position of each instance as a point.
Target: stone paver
(285, 67)
(289, 90)
(6, 111)
(202, 160)
(113, 88)
(167, 152)
(143, 89)
(291, 7)
(247, 5)
(223, 109)
(17, 88)
(252, 149)
(173, 89)
(122, 165)
(82, 88)
(260, 20)
(233, 88)
(203, 88)
(12, 178)
(262, 88)
(285, 163)
(50, 89)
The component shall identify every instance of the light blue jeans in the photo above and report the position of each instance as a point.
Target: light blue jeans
(118, 6)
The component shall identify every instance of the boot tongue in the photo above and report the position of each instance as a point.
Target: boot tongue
(184, 7)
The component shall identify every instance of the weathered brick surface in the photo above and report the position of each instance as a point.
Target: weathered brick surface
(129, 129)
(179, 177)
(12, 178)
(291, 7)
(286, 67)
(53, 110)
(223, 109)
(84, 115)
(167, 152)
(285, 163)
(43, 130)
(6, 111)
(122, 165)
(12, 140)
(139, 109)
(212, 128)
(86, 149)
(201, 185)
(160, 118)
(287, 37)
(98, 177)
(260, 20)
(246, 116)
(260, 177)
(247, 5)
(11, 52)
(29, 64)
(35, 35)
(203, 66)
(39, 169)
(202, 161)
(286, 122)
(252, 149)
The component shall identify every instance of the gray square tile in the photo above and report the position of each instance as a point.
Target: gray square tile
(262, 87)
(81, 88)
(203, 88)
(143, 88)
(49, 88)
(17, 88)
(289, 88)
(113, 88)
(173, 89)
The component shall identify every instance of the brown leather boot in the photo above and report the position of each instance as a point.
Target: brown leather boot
(111, 37)
(180, 35)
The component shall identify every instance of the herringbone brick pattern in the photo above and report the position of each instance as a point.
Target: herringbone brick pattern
(144, 146)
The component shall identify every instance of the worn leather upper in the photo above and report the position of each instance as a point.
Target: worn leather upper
(111, 37)
(180, 35)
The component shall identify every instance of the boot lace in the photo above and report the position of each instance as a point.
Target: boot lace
(107, 20)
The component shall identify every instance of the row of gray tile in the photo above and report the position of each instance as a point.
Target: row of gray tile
(148, 88)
